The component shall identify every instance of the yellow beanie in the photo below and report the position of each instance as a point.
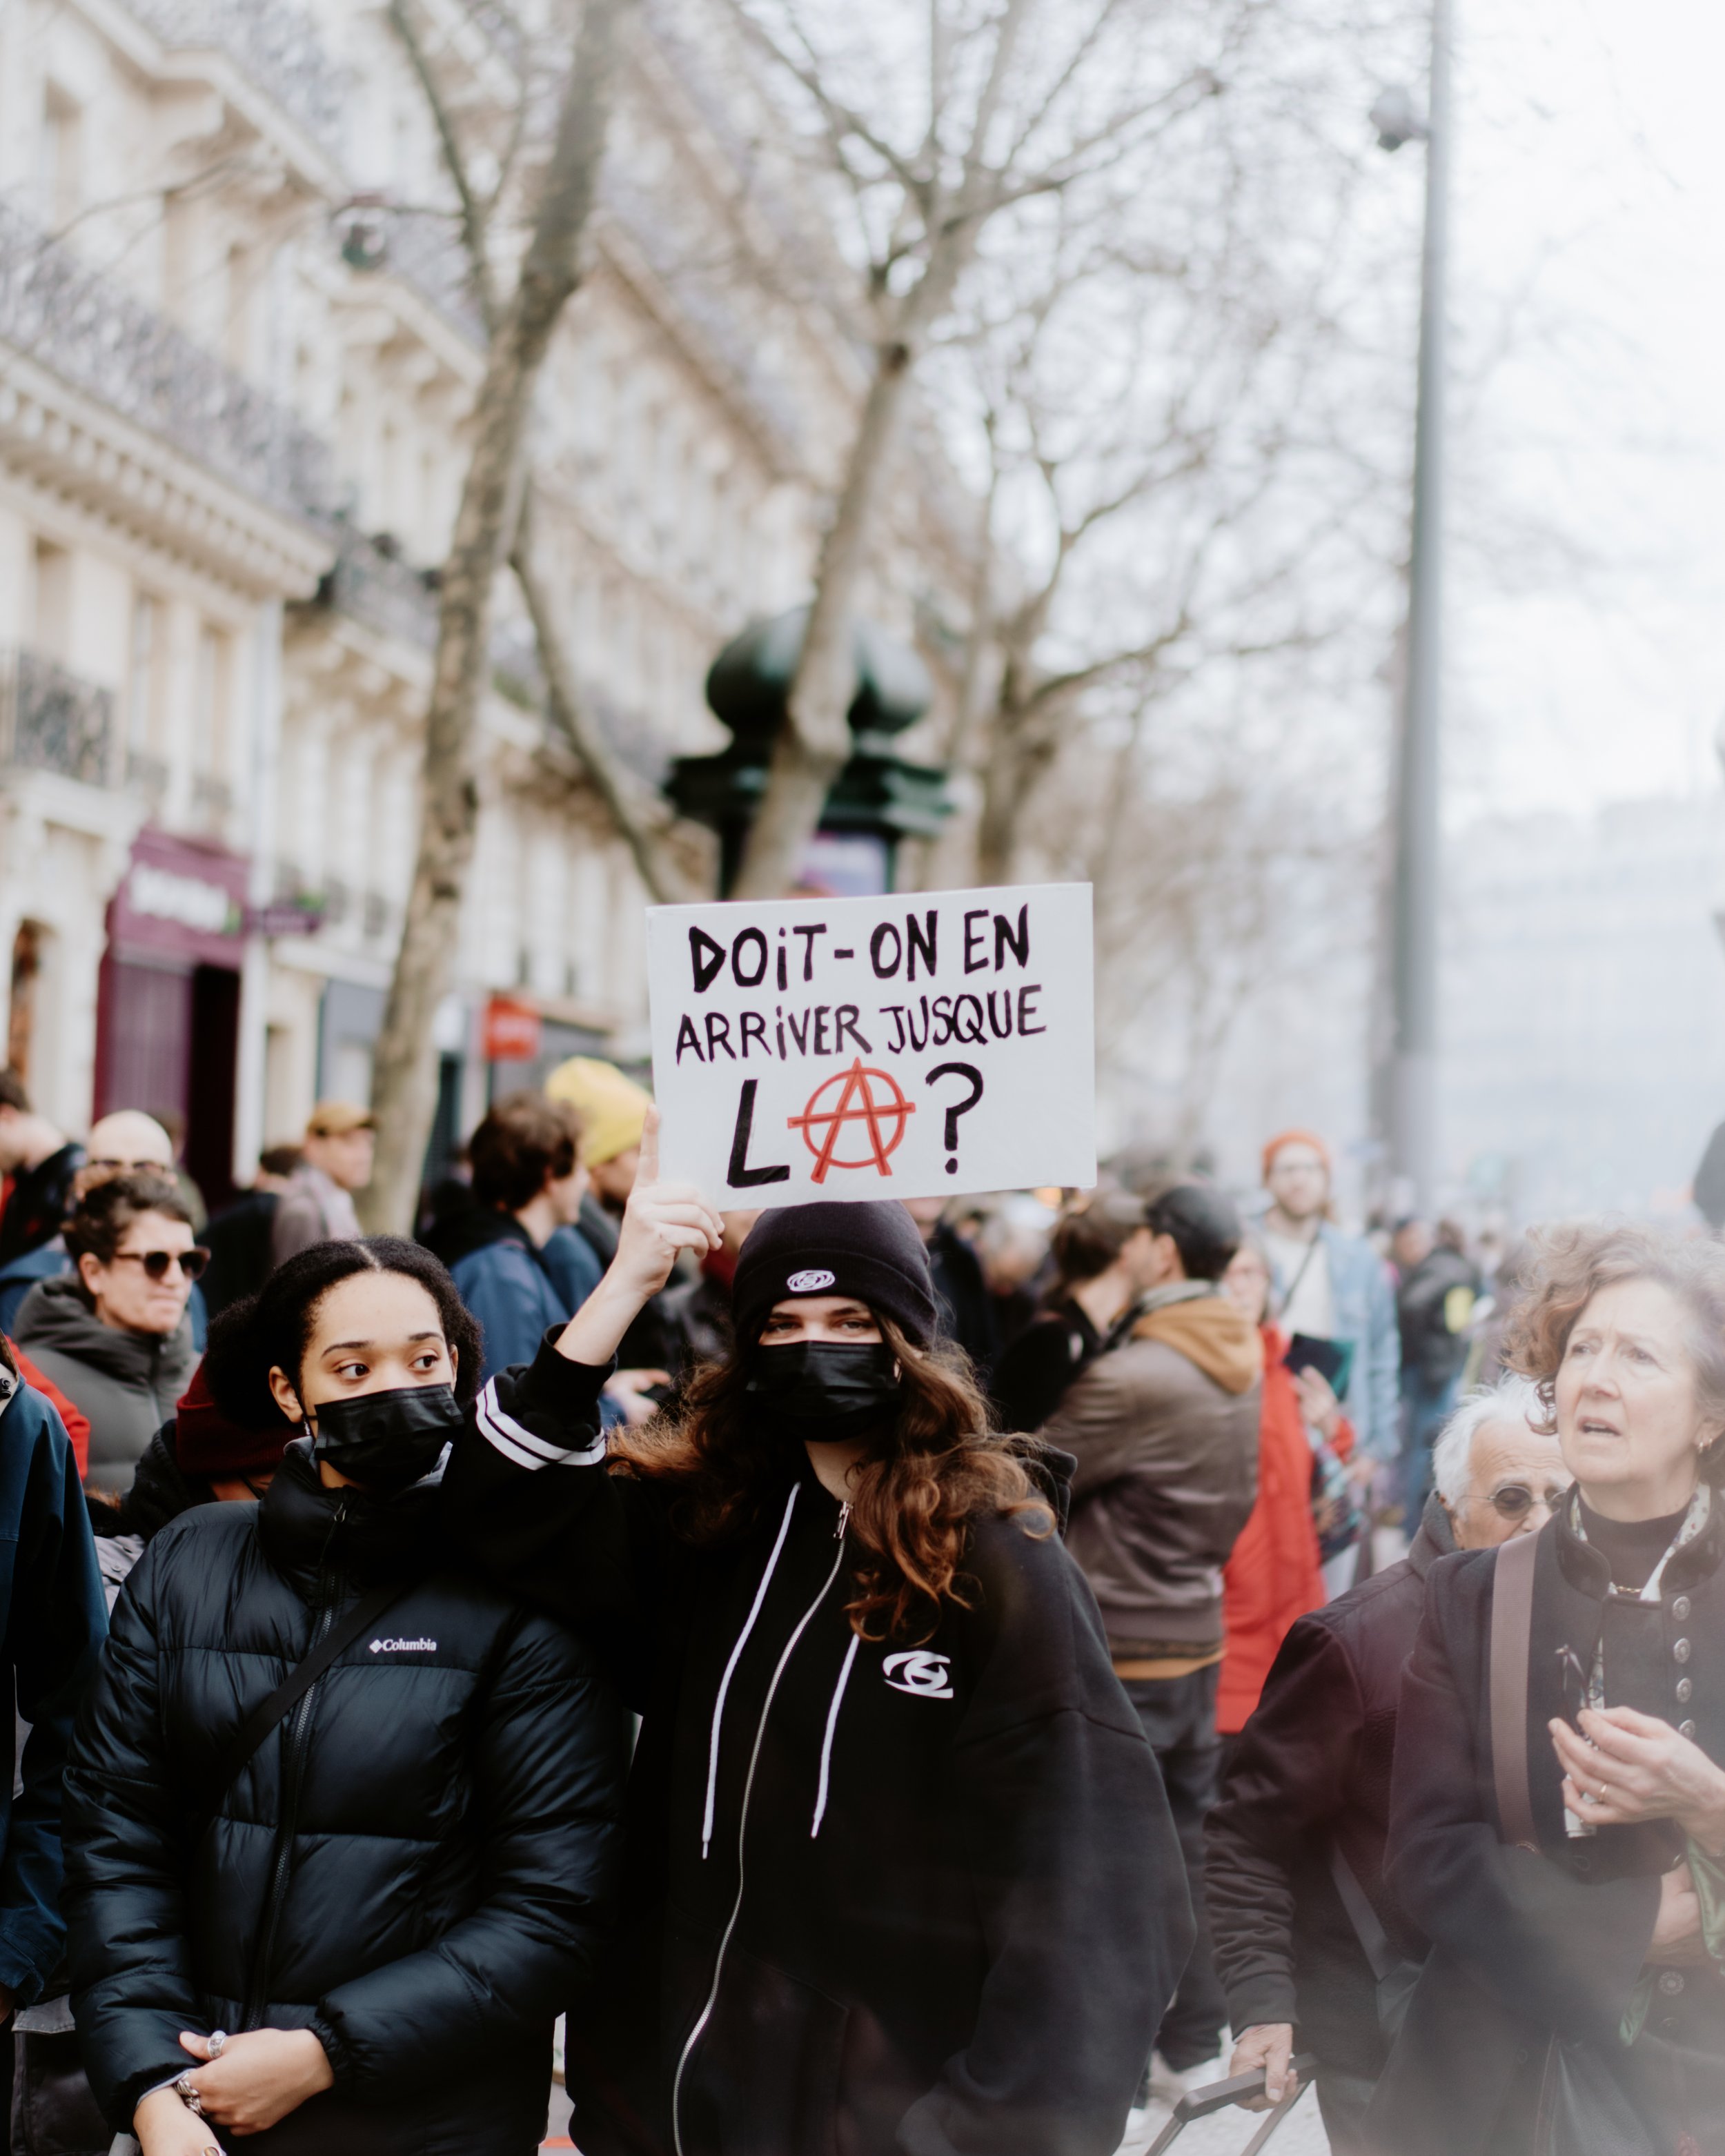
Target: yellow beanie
(612, 1108)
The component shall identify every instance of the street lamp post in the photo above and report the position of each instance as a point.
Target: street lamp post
(1412, 1101)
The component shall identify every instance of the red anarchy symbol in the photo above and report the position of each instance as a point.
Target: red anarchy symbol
(856, 1104)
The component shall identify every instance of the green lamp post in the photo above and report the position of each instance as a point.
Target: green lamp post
(877, 799)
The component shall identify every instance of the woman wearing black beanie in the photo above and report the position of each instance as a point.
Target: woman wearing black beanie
(899, 1877)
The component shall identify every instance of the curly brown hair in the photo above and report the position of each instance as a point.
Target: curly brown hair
(1565, 1267)
(922, 1482)
(99, 1222)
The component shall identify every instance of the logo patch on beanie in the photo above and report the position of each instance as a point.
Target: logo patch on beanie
(810, 1282)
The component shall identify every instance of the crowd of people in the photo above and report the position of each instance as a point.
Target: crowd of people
(925, 1677)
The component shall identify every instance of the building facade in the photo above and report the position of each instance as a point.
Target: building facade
(1582, 1065)
(237, 359)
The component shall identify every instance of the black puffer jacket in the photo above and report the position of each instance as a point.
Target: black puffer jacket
(415, 1864)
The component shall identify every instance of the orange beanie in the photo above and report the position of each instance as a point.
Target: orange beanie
(1294, 1138)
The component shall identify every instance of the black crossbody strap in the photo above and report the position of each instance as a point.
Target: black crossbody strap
(287, 1695)
(1292, 1289)
(1374, 1944)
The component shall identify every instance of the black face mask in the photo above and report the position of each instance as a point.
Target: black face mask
(824, 1391)
(387, 1441)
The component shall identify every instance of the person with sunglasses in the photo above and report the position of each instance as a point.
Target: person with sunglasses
(1303, 1920)
(113, 1333)
(125, 1142)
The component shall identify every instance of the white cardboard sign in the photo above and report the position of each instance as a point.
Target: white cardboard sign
(908, 1046)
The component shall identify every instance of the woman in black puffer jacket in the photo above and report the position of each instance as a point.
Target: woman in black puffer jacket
(406, 1882)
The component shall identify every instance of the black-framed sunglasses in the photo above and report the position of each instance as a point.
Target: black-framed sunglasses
(1514, 1501)
(156, 1263)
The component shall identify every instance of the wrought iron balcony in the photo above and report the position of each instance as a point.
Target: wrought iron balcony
(274, 41)
(81, 325)
(53, 720)
(378, 588)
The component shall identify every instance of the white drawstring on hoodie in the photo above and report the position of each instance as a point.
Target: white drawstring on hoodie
(826, 1742)
(748, 1788)
(742, 1640)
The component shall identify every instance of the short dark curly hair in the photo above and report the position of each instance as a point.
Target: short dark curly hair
(100, 1218)
(523, 1140)
(272, 1329)
(1565, 1267)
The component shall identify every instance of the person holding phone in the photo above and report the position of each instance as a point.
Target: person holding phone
(900, 1875)
(1557, 1823)
(1274, 1573)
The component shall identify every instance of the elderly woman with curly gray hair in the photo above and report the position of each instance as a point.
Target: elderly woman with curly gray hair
(1557, 1824)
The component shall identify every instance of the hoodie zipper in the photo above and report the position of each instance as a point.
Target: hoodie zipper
(742, 1826)
(293, 1760)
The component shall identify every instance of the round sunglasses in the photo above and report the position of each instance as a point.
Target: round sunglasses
(156, 1263)
(1515, 1500)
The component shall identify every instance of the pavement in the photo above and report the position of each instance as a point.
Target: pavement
(1230, 2133)
(1225, 2133)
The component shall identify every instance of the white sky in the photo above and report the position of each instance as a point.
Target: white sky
(1587, 633)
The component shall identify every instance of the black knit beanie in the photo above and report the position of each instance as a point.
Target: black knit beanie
(870, 1248)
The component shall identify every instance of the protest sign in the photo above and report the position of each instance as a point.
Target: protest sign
(907, 1046)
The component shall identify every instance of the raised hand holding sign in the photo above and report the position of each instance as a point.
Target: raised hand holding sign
(661, 1220)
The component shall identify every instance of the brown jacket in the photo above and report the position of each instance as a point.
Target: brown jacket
(1165, 1431)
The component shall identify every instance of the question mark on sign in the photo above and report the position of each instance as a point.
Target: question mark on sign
(957, 1108)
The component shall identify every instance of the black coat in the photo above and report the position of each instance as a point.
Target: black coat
(414, 1865)
(238, 1240)
(1032, 1373)
(1430, 1347)
(1528, 1945)
(40, 1198)
(1310, 1772)
(877, 1897)
(961, 1294)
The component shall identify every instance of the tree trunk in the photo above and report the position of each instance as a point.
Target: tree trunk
(1005, 773)
(405, 1082)
(814, 742)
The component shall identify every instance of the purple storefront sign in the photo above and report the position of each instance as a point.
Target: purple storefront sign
(167, 1008)
(179, 899)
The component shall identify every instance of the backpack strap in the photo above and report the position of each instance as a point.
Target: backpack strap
(358, 1618)
(1511, 1642)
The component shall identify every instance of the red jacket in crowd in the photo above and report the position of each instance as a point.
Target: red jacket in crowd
(76, 1421)
(1274, 1575)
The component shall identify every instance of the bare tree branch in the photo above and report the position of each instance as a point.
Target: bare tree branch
(475, 214)
(639, 815)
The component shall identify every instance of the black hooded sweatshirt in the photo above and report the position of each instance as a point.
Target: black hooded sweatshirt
(878, 1896)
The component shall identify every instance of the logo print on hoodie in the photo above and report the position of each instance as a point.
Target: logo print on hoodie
(922, 1674)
